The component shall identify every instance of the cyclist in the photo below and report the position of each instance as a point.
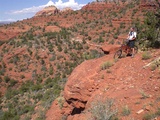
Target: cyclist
(131, 40)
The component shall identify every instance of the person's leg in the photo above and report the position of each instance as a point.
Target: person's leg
(128, 47)
(132, 48)
(133, 52)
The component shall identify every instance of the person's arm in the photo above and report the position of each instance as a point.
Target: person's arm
(133, 38)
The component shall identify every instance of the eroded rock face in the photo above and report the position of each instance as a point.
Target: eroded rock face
(78, 90)
(97, 6)
(108, 49)
(81, 84)
(50, 10)
(57, 113)
(67, 9)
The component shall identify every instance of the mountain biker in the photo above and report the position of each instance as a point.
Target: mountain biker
(131, 40)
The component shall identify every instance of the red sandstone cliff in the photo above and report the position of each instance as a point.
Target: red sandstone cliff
(123, 82)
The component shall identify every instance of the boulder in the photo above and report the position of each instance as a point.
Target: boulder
(110, 48)
(81, 83)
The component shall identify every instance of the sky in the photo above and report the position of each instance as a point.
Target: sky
(13, 10)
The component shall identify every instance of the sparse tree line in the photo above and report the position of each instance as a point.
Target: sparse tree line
(115, 1)
(149, 32)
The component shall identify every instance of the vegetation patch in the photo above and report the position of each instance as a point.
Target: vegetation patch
(146, 55)
(103, 110)
(126, 110)
(144, 95)
(106, 65)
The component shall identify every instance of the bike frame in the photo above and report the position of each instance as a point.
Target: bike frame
(125, 48)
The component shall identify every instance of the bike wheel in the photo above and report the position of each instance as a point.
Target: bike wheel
(118, 54)
(135, 49)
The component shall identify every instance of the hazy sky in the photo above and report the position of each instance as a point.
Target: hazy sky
(22, 9)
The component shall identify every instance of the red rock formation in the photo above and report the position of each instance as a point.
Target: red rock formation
(52, 29)
(78, 90)
(86, 84)
(67, 9)
(110, 48)
(50, 10)
(81, 84)
(98, 6)
(149, 4)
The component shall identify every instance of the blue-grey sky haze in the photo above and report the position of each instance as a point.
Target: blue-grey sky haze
(13, 10)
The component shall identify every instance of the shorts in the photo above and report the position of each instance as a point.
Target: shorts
(131, 43)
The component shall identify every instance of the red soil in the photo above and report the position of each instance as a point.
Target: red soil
(125, 82)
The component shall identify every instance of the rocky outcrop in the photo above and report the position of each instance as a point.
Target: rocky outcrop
(98, 6)
(89, 82)
(67, 9)
(78, 90)
(81, 88)
(80, 84)
(47, 11)
(109, 49)
(52, 28)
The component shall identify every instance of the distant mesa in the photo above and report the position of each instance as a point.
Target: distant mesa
(6, 22)
(50, 9)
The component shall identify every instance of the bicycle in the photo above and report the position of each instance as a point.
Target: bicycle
(124, 48)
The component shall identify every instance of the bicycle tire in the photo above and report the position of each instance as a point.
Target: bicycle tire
(135, 49)
(118, 54)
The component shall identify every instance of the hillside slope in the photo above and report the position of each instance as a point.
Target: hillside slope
(38, 55)
(127, 82)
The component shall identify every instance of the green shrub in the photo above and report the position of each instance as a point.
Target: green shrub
(101, 40)
(144, 95)
(122, 25)
(60, 101)
(2, 71)
(148, 116)
(27, 108)
(49, 80)
(103, 110)
(149, 31)
(43, 68)
(59, 48)
(10, 93)
(51, 70)
(6, 79)
(8, 115)
(146, 56)
(89, 38)
(36, 87)
(12, 82)
(153, 67)
(158, 112)
(22, 76)
(1, 43)
(126, 111)
(53, 58)
(26, 86)
(106, 65)
(115, 36)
